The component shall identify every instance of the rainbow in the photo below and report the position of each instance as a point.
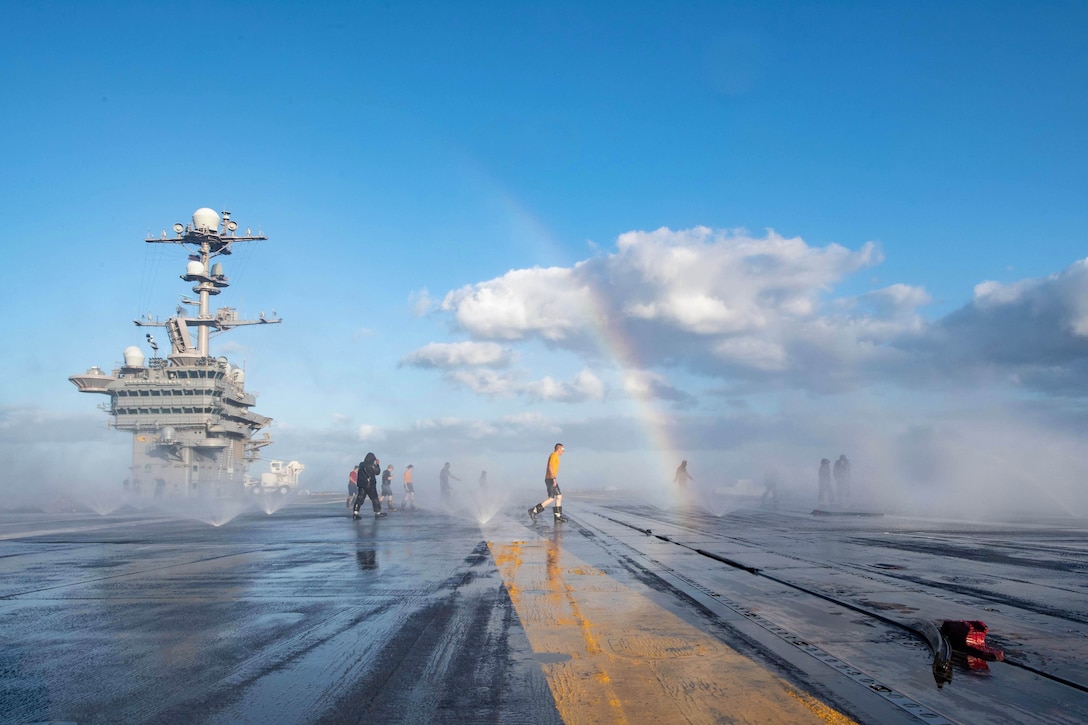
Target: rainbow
(656, 424)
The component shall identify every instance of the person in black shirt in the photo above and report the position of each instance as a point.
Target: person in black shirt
(368, 485)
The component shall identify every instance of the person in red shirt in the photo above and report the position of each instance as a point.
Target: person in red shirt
(353, 485)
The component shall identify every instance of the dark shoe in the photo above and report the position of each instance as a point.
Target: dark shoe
(380, 515)
(532, 514)
(561, 517)
(354, 515)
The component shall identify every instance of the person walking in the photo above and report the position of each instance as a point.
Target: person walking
(368, 485)
(682, 476)
(444, 477)
(842, 479)
(387, 486)
(409, 502)
(551, 482)
(353, 485)
(824, 478)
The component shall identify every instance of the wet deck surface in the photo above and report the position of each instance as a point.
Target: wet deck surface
(624, 614)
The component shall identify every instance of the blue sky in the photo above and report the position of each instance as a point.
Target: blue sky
(748, 234)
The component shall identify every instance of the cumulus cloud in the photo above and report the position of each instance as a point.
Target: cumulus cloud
(765, 314)
(486, 382)
(648, 385)
(719, 283)
(584, 387)
(1031, 333)
(721, 303)
(554, 304)
(459, 354)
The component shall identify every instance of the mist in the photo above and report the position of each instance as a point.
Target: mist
(966, 456)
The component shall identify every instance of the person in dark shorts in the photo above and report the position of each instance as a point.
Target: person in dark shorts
(551, 481)
(387, 486)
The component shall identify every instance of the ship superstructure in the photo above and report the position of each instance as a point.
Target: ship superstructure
(189, 413)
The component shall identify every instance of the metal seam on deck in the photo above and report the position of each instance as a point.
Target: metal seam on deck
(894, 697)
(898, 699)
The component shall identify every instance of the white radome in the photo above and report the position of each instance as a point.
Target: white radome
(134, 357)
(205, 219)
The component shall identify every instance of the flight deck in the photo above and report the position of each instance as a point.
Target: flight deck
(627, 613)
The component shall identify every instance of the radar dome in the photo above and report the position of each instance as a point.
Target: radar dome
(205, 219)
(134, 357)
(194, 268)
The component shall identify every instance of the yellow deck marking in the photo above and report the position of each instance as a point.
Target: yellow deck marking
(611, 655)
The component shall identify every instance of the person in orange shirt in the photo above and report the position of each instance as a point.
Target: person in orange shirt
(551, 481)
(409, 502)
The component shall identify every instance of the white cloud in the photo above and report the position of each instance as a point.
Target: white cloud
(527, 420)
(369, 433)
(421, 302)
(459, 354)
(994, 294)
(486, 382)
(721, 303)
(589, 384)
(763, 312)
(550, 303)
(753, 352)
(648, 385)
(584, 387)
(1032, 332)
(710, 283)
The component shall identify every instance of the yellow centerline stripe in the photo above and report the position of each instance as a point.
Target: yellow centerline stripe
(611, 655)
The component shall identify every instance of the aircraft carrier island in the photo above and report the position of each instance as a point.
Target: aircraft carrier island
(191, 419)
(626, 613)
